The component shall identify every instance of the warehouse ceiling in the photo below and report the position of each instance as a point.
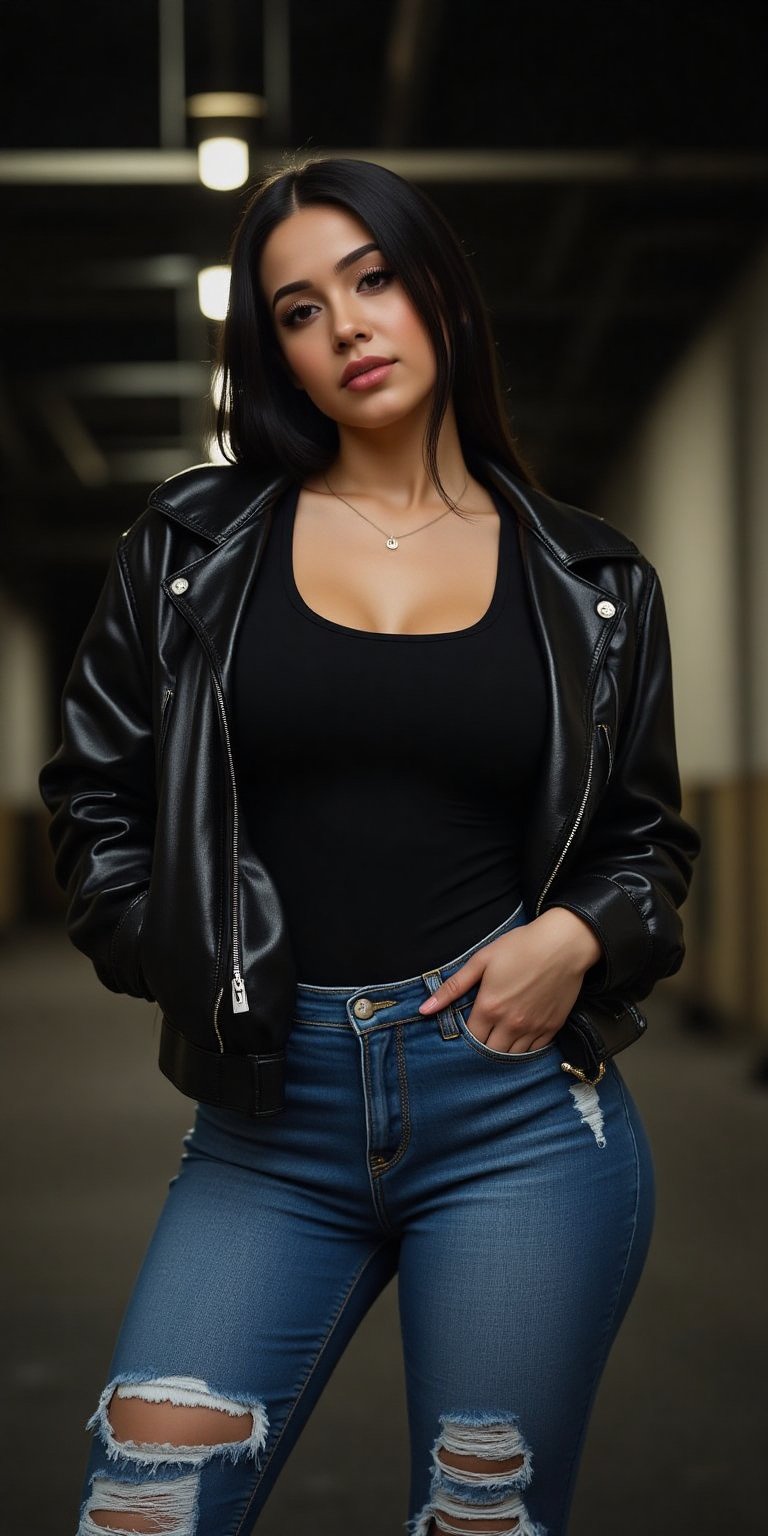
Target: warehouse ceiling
(604, 164)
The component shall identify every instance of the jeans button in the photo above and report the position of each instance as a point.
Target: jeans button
(363, 1008)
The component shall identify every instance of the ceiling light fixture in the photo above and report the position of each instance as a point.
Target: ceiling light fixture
(222, 124)
(213, 292)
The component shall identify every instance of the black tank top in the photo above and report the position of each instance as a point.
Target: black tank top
(384, 779)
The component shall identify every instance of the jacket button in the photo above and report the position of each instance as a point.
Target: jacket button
(363, 1008)
(179, 585)
(605, 608)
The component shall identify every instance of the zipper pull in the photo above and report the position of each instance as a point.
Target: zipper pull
(239, 995)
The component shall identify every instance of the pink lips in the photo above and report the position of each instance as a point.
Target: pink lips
(371, 377)
(366, 370)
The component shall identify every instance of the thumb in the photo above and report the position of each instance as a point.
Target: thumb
(454, 986)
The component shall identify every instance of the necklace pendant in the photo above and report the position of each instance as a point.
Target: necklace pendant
(392, 542)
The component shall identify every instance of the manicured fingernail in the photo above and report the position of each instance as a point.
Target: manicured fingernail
(428, 1006)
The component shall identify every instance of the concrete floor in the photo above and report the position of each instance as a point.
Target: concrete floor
(93, 1133)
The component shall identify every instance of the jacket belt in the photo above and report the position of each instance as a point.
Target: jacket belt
(254, 1085)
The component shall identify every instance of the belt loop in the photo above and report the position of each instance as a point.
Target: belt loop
(449, 1029)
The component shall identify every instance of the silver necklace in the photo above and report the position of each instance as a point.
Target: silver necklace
(391, 541)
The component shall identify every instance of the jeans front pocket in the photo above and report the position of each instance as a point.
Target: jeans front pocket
(461, 1013)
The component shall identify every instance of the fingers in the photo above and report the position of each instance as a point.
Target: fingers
(499, 1039)
(495, 1035)
(455, 986)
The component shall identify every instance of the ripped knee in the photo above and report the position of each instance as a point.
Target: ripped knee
(480, 1465)
(156, 1425)
(161, 1508)
(176, 1420)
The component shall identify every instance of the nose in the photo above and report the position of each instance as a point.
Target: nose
(346, 331)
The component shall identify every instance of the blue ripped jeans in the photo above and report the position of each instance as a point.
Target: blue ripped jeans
(515, 1206)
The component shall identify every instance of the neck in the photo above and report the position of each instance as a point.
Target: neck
(388, 463)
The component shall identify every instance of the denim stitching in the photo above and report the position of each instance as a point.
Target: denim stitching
(377, 1194)
(372, 1029)
(367, 1076)
(489, 1053)
(322, 1023)
(404, 1105)
(313, 1366)
(368, 1096)
(412, 1018)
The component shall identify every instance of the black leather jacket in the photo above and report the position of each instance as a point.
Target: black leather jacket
(168, 898)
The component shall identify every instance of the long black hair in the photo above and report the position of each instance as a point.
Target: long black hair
(262, 420)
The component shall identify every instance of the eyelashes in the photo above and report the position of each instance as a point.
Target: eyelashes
(291, 317)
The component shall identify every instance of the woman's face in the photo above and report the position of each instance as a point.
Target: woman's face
(346, 305)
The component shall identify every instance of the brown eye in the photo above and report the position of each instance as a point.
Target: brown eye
(382, 273)
(375, 279)
(292, 315)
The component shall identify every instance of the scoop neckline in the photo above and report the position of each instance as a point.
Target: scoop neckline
(499, 590)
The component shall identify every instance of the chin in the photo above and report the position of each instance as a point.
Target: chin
(382, 412)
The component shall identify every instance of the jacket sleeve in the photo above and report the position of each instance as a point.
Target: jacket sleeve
(634, 868)
(99, 787)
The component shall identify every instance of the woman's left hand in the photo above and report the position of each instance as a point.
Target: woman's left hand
(529, 980)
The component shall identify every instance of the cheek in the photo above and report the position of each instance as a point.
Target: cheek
(307, 355)
(414, 339)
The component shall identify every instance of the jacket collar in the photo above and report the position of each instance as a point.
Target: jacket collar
(224, 505)
(215, 500)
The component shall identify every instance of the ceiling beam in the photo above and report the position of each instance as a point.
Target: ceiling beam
(147, 167)
(98, 167)
(145, 380)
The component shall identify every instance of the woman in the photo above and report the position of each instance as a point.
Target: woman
(364, 704)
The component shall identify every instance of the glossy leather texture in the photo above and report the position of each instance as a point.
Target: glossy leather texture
(168, 898)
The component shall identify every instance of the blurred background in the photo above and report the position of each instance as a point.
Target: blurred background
(606, 166)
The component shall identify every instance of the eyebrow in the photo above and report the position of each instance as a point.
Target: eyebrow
(340, 266)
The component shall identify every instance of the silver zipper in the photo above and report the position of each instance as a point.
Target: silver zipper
(574, 828)
(164, 718)
(603, 727)
(216, 1018)
(239, 994)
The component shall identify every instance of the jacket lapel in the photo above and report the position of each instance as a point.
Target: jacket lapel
(236, 517)
(220, 581)
(574, 640)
